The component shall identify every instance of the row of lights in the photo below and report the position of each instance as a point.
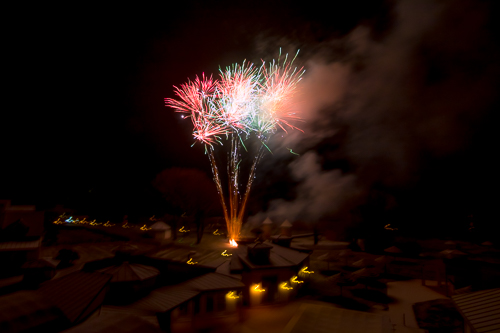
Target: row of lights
(63, 220)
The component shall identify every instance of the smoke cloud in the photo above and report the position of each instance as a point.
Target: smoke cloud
(385, 106)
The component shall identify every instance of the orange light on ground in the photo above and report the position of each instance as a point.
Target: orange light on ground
(183, 230)
(233, 243)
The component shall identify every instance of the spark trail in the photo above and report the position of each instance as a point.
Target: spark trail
(247, 101)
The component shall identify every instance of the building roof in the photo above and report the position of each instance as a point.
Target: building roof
(316, 318)
(26, 310)
(76, 293)
(360, 263)
(126, 271)
(286, 224)
(117, 323)
(160, 225)
(267, 221)
(203, 257)
(42, 263)
(213, 281)
(21, 246)
(295, 257)
(163, 299)
(480, 309)
(167, 298)
(393, 249)
(259, 246)
(278, 257)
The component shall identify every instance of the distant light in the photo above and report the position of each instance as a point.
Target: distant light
(183, 230)
(285, 287)
(107, 224)
(258, 289)
(305, 271)
(294, 280)
(191, 262)
(232, 295)
(388, 227)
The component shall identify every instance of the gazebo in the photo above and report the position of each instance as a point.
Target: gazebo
(161, 230)
(130, 280)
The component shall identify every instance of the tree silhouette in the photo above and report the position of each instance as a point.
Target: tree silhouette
(191, 192)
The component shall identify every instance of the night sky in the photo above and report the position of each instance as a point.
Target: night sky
(400, 99)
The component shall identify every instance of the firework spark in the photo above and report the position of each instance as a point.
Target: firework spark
(246, 100)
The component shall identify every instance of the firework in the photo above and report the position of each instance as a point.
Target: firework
(247, 100)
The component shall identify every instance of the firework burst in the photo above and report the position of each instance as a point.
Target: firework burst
(245, 100)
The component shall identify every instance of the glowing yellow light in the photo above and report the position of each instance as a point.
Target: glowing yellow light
(125, 225)
(191, 262)
(305, 271)
(183, 230)
(285, 287)
(294, 280)
(225, 254)
(58, 221)
(388, 227)
(216, 232)
(233, 243)
(232, 295)
(107, 224)
(258, 289)
(84, 221)
(152, 218)
(95, 223)
(145, 227)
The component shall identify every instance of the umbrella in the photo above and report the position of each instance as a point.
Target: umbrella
(452, 253)
(393, 249)
(45, 262)
(360, 263)
(328, 257)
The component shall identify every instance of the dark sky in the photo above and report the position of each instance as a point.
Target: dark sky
(415, 124)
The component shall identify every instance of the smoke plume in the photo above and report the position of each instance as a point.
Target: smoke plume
(378, 110)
